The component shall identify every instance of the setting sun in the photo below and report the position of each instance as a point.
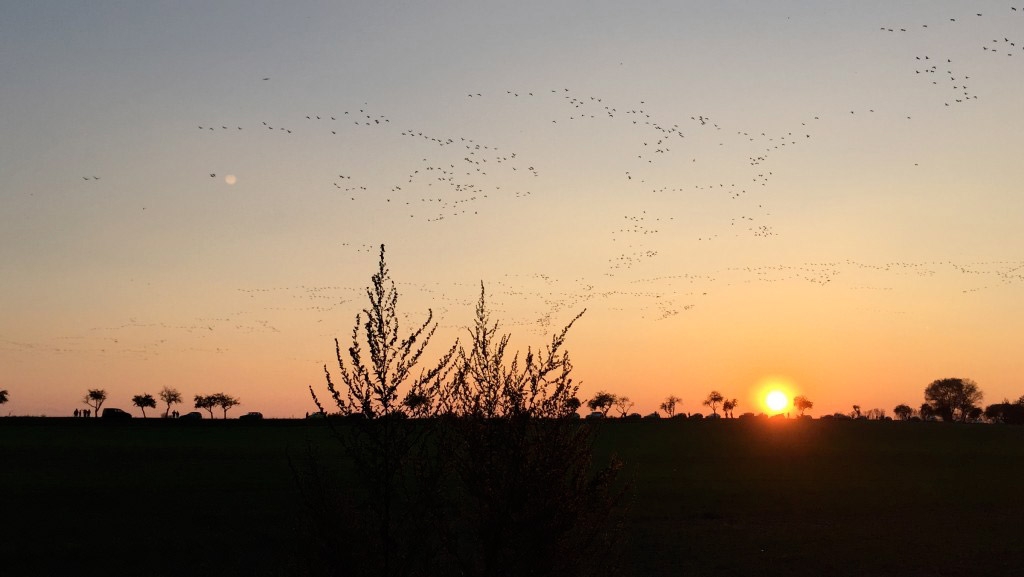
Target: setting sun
(776, 401)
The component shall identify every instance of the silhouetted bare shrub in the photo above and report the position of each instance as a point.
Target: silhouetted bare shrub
(529, 501)
(491, 476)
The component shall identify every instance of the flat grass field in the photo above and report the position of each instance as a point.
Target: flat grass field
(728, 497)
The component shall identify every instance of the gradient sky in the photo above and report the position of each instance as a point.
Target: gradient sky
(823, 193)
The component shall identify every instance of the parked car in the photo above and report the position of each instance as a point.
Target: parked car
(596, 415)
(113, 413)
(252, 416)
(193, 416)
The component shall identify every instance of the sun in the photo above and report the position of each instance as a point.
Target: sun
(776, 401)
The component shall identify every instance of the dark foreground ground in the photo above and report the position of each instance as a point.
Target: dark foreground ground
(706, 498)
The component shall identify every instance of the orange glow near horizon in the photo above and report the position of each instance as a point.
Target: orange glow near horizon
(775, 394)
(224, 239)
(776, 401)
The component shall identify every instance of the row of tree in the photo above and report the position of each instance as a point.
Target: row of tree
(950, 400)
(95, 398)
(959, 400)
(604, 401)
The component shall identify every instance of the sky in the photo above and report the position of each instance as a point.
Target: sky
(819, 196)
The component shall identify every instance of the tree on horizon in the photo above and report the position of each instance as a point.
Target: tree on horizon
(206, 402)
(801, 404)
(728, 405)
(171, 397)
(953, 399)
(927, 412)
(143, 401)
(602, 401)
(714, 397)
(903, 412)
(1006, 412)
(623, 404)
(225, 402)
(669, 406)
(95, 398)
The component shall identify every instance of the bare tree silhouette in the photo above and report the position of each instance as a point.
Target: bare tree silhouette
(669, 406)
(95, 399)
(801, 404)
(728, 405)
(377, 384)
(171, 397)
(875, 414)
(530, 502)
(623, 404)
(714, 397)
(494, 478)
(371, 387)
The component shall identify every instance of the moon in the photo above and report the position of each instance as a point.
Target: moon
(230, 179)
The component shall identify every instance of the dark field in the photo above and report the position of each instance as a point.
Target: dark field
(705, 498)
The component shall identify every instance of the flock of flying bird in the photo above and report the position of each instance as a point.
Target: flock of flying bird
(455, 176)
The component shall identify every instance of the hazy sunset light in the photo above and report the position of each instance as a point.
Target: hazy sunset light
(776, 401)
(574, 288)
(730, 190)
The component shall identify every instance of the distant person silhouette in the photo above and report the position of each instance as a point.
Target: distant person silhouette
(76, 413)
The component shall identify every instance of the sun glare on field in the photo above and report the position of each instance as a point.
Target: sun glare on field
(776, 401)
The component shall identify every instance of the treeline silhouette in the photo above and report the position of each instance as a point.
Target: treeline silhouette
(95, 398)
